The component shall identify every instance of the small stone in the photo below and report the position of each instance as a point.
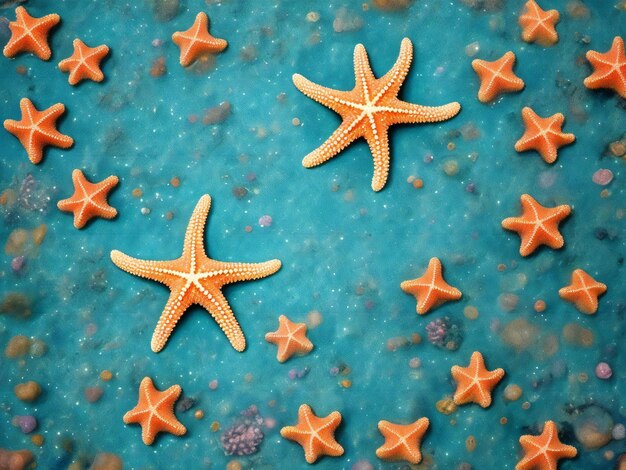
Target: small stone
(18, 263)
(593, 427)
(362, 465)
(539, 306)
(185, 403)
(106, 461)
(470, 312)
(18, 346)
(16, 242)
(39, 233)
(217, 114)
(603, 371)
(512, 392)
(93, 394)
(239, 192)
(508, 302)
(314, 319)
(619, 432)
(106, 375)
(37, 439)
(392, 5)
(618, 148)
(265, 221)
(446, 406)
(198, 414)
(472, 49)
(145, 210)
(577, 335)
(602, 177)
(16, 459)
(27, 424)
(470, 443)
(27, 391)
(451, 167)
(213, 384)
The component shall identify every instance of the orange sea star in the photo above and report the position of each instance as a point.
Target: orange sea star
(84, 63)
(496, 77)
(543, 135)
(609, 68)
(475, 382)
(290, 338)
(583, 292)
(544, 451)
(30, 34)
(430, 289)
(197, 41)
(402, 441)
(539, 25)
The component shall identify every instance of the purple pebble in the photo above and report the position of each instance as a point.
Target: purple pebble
(17, 263)
(265, 221)
(27, 424)
(603, 371)
(602, 177)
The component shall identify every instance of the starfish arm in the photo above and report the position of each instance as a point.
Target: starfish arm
(237, 272)
(159, 271)
(363, 74)
(409, 113)
(176, 305)
(336, 100)
(378, 141)
(194, 236)
(390, 83)
(345, 134)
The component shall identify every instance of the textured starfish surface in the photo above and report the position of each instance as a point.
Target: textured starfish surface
(609, 68)
(402, 441)
(29, 34)
(316, 435)
(194, 278)
(369, 109)
(89, 199)
(544, 451)
(583, 292)
(543, 135)
(430, 290)
(197, 41)
(538, 225)
(155, 411)
(475, 382)
(37, 129)
(539, 25)
(290, 338)
(84, 63)
(496, 77)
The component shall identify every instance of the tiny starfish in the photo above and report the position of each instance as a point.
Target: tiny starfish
(155, 411)
(544, 451)
(194, 278)
(89, 199)
(197, 41)
(402, 442)
(369, 109)
(583, 292)
(84, 63)
(539, 25)
(29, 34)
(316, 435)
(538, 225)
(496, 77)
(37, 129)
(430, 289)
(543, 135)
(609, 68)
(290, 338)
(475, 382)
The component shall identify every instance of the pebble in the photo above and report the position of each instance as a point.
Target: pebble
(145, 211)
(37, 439)
(446, 406)
(27, 391)
(470, 312)
(18, 263)
(213, 384)
(39, 233)
(217, 114)
(16, 303)
(93, 394)
(27, 423)
(16, 459)
(451, 167)
(593, 427)
(508, 302)
(539, 306)
(470, 443)
(106, 461)
(619, 432)
(18, 346)
(362, 465)
(512, 392)
(38, 348)
(106, 375)
(602, 177)
(603, 371)
(16, 242)
(198, 414)
(415, 363)
(472, 49)
(578, 335)
(234, 465)
(314, 319)
(265, 221)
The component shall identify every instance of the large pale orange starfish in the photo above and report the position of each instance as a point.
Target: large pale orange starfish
(544, 451)
(475, 382)
(543, 135)
(155, 411)
(496, 77)
(609, 68)
(290, 338)
(430, 289)
(369, 109)
(538, 225)
(37, 129)
(89, 199)
(402, 441)
(29, 34)
(84, 63)
(197, 41)
(194, 278)
(583, 292)
(316, 435)
(539, 25)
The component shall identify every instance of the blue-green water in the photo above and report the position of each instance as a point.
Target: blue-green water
(344, 248)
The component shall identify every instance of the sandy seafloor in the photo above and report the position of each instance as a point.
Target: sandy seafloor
(345, 249)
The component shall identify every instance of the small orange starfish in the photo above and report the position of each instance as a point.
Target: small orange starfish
(89, 199)
(316, 435)
(37, 129)
(543, 135)
(29, 34)
(544, 451)
(194, 278)
(583, 292)
(496, 77)
(290, 338)
(539, 25)
(84, 63)
(430, 289)
(475, 382)
(369, 109)
(197, 41)
(609, 68)
(538, 225)
(402, 442)
(155, 411)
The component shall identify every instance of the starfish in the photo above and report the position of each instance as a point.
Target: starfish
(538, 225)
(543, 135)
(316, 435)
(84, 63)
(544, 451)
(369, 109)
(29, 34)
(475, 382)
(197, 41)
(430, 289)
(37, 129)
(155, 411)
(290, 338)
(539, 25)
(496, 77)
(402, 442)
(583, 292)
(89, 199)
(194, 278)
(609, 68)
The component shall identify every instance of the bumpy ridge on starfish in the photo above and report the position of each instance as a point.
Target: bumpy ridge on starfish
(583, 292)
(430, 289)
(543, 135)
(290, 338)
(402, 441)
(544, 451)
(475, 382)
(197, 41)
(609, 68)
(496, 77)
(30, 34)
(84, 63)
(539, 25)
